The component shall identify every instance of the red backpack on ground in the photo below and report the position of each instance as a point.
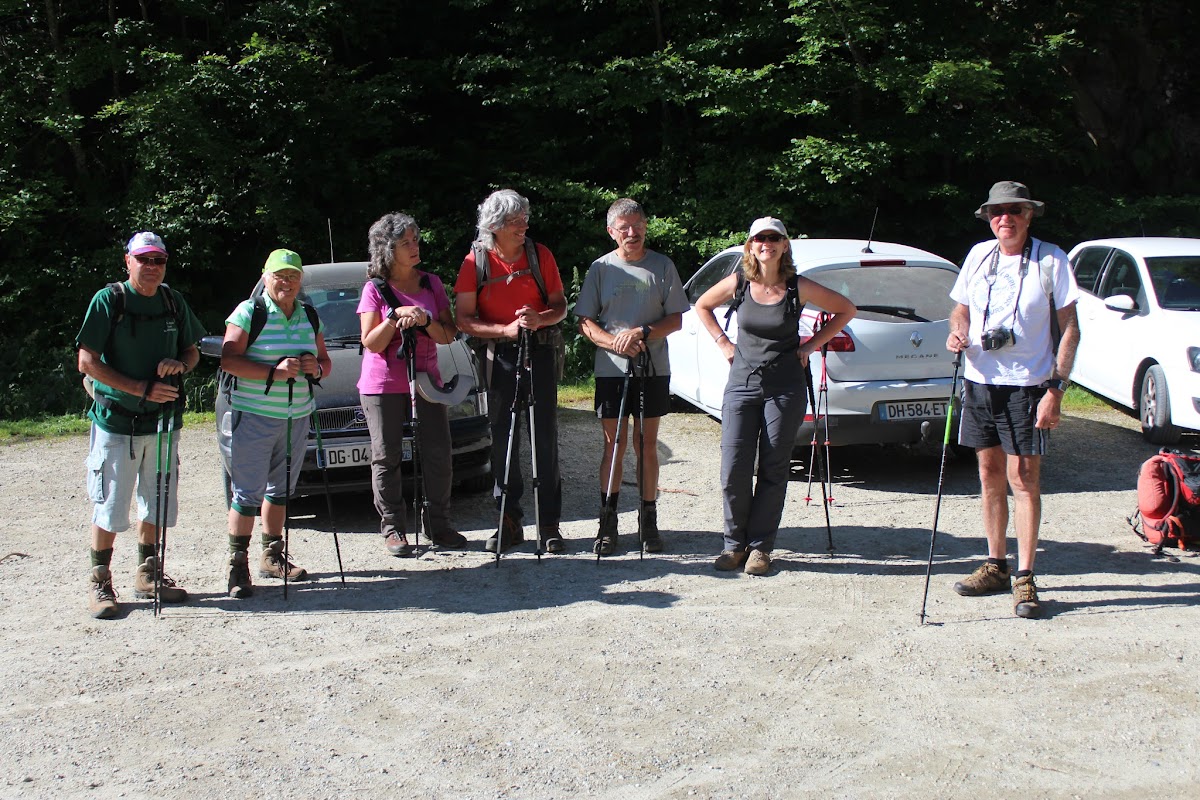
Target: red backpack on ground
(1168, 500)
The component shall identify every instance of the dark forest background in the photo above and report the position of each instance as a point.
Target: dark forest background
(232, 128)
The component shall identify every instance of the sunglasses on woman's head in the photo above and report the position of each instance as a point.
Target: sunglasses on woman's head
(767, 237)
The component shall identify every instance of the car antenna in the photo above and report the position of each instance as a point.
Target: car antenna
(871, 236)
(329, 222)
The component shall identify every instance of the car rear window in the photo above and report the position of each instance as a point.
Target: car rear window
(1176, 281)
(893, 294)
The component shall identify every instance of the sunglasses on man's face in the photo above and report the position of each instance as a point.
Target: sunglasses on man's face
(1012, 211)
(157, 261)
(766, 237)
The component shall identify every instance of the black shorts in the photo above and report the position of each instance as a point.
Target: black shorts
(1004, 416)
(608, 396)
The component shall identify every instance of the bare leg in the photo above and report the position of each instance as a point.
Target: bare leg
(1024, 476)
(994, 489)
(606, 460)
(649, 459)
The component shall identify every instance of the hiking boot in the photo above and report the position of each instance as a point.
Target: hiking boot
(758, 563)
(397, 544)
(102, 597)
(1025, 599)
(143, 585)
(239, 575)
(448, 539)
(730, 560)
(551, 541)
(606, 536)
(985, 580)
(648, 529)
(512, 533)
(272, 564)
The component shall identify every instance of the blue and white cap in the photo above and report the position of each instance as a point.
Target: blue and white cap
(145, 242)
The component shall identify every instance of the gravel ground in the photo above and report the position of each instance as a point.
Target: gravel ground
(444, 676)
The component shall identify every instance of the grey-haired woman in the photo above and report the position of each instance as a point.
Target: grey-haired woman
(421, 305)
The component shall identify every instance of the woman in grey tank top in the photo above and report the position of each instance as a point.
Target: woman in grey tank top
(765, 397)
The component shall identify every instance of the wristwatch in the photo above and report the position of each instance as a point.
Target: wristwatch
(1056, 383)
(645, 332)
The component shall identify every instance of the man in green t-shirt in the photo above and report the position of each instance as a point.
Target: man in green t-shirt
(137, 339)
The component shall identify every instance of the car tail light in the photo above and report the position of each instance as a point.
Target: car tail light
(840, 343)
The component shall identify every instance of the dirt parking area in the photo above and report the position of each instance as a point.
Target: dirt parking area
(444, 676)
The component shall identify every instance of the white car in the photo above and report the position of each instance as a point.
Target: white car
(888, 372)
(1139, 328)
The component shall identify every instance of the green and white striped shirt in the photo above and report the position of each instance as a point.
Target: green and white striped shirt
(280, 337)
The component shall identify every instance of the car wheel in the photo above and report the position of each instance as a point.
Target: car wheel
(479, 483)
(963, 453)
(1155, 409)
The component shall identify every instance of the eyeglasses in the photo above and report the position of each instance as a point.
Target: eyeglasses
(767, 237)
(287, 275)
(1015, 210)
(157, 261)
(516, 221)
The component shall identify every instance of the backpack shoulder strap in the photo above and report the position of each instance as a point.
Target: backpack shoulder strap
(258, 320)
(1047, 278)
(535, 266)
(313, 319)
(118, 292)
(792, 298)
(481, 266)
(385, 290)
(739, 296)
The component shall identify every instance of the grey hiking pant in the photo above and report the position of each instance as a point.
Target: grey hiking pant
(760, 422)
(386, 415)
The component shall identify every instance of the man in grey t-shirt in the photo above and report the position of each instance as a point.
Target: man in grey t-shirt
(630, 300)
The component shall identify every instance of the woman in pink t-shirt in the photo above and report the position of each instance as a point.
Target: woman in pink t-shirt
(423, 308)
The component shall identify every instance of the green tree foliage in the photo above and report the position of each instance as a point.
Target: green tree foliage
(234, 127)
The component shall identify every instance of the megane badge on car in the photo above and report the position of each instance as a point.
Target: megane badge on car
(916, 339)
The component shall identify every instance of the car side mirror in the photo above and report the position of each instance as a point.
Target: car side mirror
(211, 346)
(1121, 302)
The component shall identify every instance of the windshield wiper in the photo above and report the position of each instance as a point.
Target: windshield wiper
(344, 341)
(895, 311)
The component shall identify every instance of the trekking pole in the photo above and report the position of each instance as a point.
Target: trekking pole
(824, 395)
(617, 437)
(323, 463)
(643, 363)
(287, 488)
(526, 367)
(808, 380)
(160, 547)
(159, 518)
(408, 346)
(941, 475)
(522, 343)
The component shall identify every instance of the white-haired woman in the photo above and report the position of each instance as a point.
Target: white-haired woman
(765, 397)
(520, 290)
(418, 302)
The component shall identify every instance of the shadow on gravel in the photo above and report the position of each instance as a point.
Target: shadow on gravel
(1085, 456)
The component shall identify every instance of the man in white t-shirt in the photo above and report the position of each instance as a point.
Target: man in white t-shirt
(1019, 341)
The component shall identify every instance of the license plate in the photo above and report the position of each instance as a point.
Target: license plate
(912, 409)
(353, 455)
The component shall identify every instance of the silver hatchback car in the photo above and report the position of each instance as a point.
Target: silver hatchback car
(888, 372)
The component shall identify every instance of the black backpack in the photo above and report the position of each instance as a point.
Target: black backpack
(226, 383)
(119, 313)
